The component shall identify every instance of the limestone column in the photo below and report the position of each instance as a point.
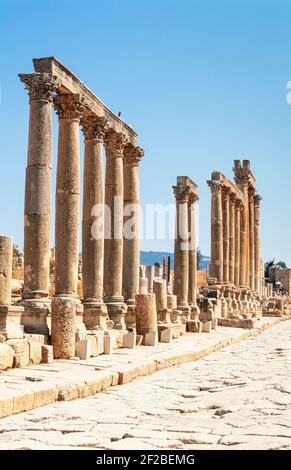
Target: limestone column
(69, 108)
(41, 88)
(251, 240)
(237, 271)
(113, 251)
(244, 277)
(257, 201)
(226, 232)
(216, 269)
(93, 211)
(131, 222)
(6, 258)
(181, 261)
(192, 249)
(232, 239)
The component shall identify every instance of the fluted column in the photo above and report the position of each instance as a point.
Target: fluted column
(237, 271)
(69, 108)
(93, 211)
(181, 261)
(131, 242)
(114, 191)
(232, 239)
(251, 240)
(257, 201)
(192, 249)
(244, 237)
(216, 231)
(41, 88)
(226, 231)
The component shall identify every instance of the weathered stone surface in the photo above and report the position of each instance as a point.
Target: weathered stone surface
(35, 352)
(63, 327)
(21, 352)
(47, 354)
(6, 255)
(6, 356)
(83, 349)
(146, 313)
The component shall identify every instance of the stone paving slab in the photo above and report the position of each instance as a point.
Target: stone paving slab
(39, 385)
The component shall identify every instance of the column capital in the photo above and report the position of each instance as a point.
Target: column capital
(115, 143)
(215, 185)
(69, 106)
(257, 200)
(225, 191)
(232, 198)
(238, 205)
(193, 197)
(133, 154)
(182, 193)
(93, 127)
(40, 86)
(252, 192)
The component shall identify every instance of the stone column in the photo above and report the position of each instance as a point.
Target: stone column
(69, 108)
(63, 327)
(232, 239)
(181, 262)
(226, 232)
(244, 260)
(95, 313)
(6, 255)
(131, 243)
(237, 271)
(192, 250)
(41, 88)
(113, 252)
(257, 201)
(251, 240)
(216, 269)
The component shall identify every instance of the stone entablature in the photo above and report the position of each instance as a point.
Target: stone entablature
(228, 184)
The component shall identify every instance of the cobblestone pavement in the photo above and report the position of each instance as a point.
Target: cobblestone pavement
(237, 398)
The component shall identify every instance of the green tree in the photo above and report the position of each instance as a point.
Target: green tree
(282, 264)
(199, 258)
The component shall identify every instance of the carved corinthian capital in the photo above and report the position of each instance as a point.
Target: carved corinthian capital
(93, 127)
(69, 106)
(115, 143)
(40, 86)
(215, 185)
(182, 193)
(133, 154)
(257, 200)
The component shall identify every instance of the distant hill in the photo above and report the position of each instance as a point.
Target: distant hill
(152, 257)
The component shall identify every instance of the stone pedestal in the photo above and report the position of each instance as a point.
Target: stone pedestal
(63, 327)
(10, 321)
(95, 316)
(146, 314)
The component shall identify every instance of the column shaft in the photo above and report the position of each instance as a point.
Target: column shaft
(131, 243)
(257, 200)
(181, 263)
(226, 232)
(93, 211)
(192, 251)
(232, 240)
(38, 186)
(237, 271)
(67, 195)
(251, 243)
(114, 189)
(216, 231)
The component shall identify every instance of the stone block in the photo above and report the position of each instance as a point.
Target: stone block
(166, 335)
(151, 339)
(35, 352)
(214, 323)
(6, 356)
(129, 340)
(139, 340)
(42, 339)
(10, 318)
(47, 354)
(100, 343)
(206, 327)
(83, 349)
(108, 344)
(194, 326)
(21, 352)
(94, 345)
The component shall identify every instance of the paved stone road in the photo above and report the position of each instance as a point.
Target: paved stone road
(237, 398)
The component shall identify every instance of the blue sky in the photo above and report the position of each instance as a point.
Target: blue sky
(203, 82)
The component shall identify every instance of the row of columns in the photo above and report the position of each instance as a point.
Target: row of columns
(235, 235)
(185, 262)
(110, 266)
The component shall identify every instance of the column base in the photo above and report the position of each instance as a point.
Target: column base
(185, 312)
(35, 302)
(10, 321)
(96, 316)
(130, 319)
(117, 311)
